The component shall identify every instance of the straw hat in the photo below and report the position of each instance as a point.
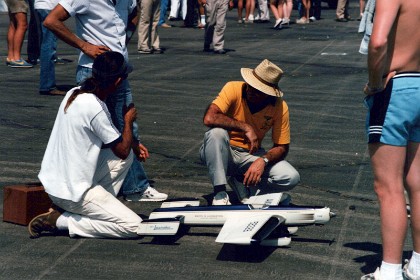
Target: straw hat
(265, 77)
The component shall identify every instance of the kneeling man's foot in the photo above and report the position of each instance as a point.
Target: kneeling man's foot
(46, 222)
(221, 198)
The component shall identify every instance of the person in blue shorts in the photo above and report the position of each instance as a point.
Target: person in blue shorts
(393, 129)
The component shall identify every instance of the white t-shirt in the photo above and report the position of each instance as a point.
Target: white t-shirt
(76, 139)
(45, 4)
(101, 23)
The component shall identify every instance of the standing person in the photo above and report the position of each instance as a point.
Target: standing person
(162, 17)
(393, 128)
(307, 8)
(47, 84)
(276, 7)
(249, 11)
(148, 42)
(263, 13)
(87, 159)
(18, 10)
(34, 35)
(362, 5)
(238, 119)
(342, 11)
(215, 24)
(93, 38)
(287, 12)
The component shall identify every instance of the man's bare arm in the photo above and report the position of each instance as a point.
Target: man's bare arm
(214, 117)
(123, 148)
(55, 22)
(385, 15)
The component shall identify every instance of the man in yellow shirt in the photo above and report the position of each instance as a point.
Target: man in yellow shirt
(239, 118)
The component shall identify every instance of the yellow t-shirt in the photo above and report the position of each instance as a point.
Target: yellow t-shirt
(231, 102)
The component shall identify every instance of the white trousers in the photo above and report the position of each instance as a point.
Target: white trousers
(224, 160)
(262, 11)
(175, 5)
(99, 214)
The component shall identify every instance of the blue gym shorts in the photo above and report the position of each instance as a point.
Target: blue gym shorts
(394, 113)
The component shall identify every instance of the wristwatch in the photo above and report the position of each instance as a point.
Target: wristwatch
(265, 160)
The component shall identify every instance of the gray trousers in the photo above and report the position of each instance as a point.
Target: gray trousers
(224, 160)
(215, 23)
(149, 18)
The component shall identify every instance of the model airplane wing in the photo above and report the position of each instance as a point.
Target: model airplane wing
(248, 230)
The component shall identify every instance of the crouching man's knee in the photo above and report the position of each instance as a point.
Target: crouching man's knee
(286, 176)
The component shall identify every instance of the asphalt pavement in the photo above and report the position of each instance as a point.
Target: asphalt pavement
(323, 81)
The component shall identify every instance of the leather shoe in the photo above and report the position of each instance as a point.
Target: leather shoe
(221, 51)
(46, 222)
(53, 92)
(165, 25)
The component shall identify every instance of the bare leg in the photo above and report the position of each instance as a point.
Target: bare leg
(413, 186)
(17, 29)
(388, 167)
(240, 8)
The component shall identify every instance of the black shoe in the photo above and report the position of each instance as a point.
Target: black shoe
(158, 51)
(53, 92)
(207, 49)
(60, 60)
(342, 20)
(221, 51)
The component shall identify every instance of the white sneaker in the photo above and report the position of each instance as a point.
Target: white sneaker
(278, 23)
(221, 198)
(372, 276)
(312, 18)
(407, 275)
(150, 194)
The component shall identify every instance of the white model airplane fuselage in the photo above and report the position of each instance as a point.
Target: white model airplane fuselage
(217, 215)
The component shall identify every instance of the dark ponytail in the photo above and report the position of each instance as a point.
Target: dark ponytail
(107, 68)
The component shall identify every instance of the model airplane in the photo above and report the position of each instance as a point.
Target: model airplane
(262, 222)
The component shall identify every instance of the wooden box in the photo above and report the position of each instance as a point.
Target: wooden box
(23, 202)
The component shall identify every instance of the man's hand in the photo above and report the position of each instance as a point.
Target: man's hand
(370, 90)
(253, 175)
(144, 153)
(252, 139)
(92, 50)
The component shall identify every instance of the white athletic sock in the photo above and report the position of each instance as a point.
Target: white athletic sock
(203, 19)
(414, 265)
(63, 221)
(391, 271)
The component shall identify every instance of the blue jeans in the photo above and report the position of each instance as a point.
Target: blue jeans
(136, 179)
(48, 54)
(163, 9)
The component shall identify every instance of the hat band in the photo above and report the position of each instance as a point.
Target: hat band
(264, 81)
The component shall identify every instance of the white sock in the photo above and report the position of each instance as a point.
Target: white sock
(63, 221)
(414, 265)
(391, 271)
(203, 19)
